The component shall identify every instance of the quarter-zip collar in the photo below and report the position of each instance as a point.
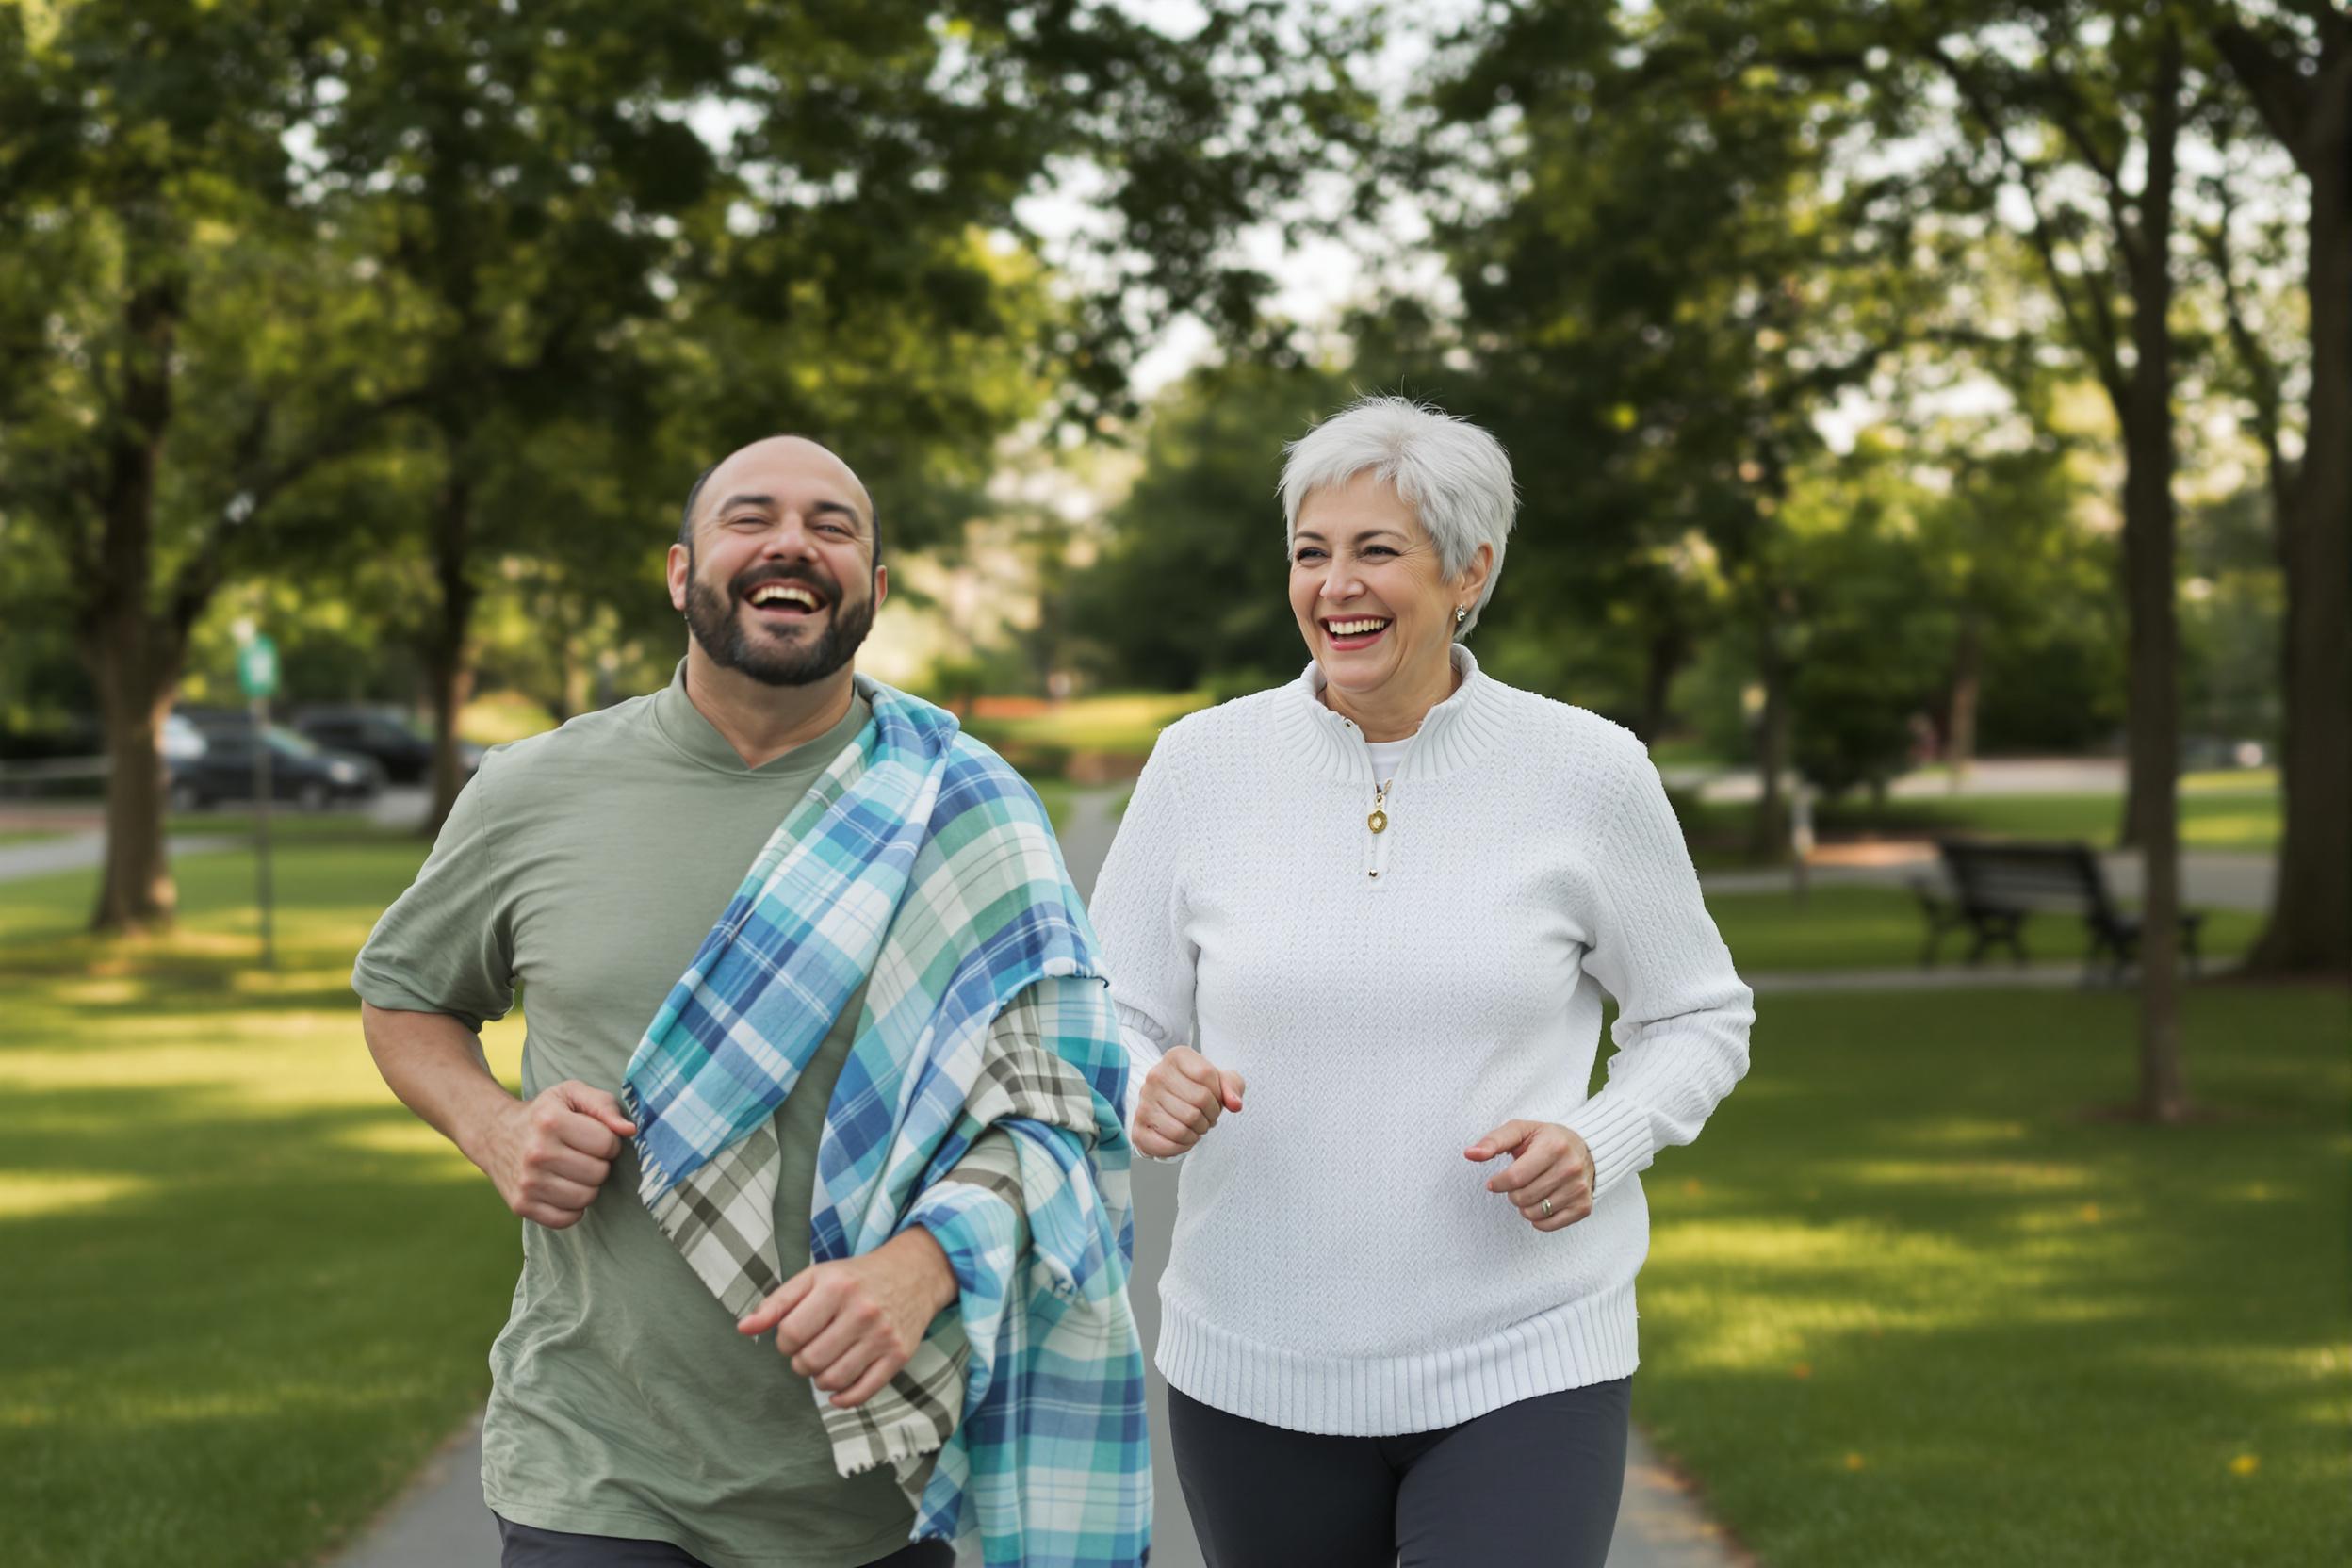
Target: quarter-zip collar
(1454, 733)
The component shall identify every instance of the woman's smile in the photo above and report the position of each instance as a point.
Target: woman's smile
(1347, 633)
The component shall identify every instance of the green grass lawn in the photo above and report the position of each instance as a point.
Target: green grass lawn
(1845, 926)
(1908, 1304)
(1125, 724)
(29, 835)
(2211, 817)
(247, 1291)
(288, 826)
(2226, 811)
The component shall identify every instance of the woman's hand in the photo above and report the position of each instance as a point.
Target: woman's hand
(1551, 1175)
(1182, 1097)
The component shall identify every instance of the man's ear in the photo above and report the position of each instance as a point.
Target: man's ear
(680, 574)
(881, 585)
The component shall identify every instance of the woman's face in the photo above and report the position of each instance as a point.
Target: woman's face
(1365, 585)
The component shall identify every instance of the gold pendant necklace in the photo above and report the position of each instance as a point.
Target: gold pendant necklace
(1378, 821)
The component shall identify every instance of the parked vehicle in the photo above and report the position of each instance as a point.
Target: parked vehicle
(214, 761)
(383, 733)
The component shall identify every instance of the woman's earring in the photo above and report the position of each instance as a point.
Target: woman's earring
(1461, 613)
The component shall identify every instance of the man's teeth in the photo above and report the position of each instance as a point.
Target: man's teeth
(784, 593)
(1354, 628)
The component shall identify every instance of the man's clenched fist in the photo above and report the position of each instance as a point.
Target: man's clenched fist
(549, 1154)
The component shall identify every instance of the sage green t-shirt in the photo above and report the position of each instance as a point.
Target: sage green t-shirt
(585, 866)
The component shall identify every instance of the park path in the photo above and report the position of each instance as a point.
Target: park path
(86, 849)
(441, 1522)
(2211, 878)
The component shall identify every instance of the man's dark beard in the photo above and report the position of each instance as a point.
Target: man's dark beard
(712, 617)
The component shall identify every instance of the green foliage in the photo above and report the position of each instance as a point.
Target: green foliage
(1192, 582)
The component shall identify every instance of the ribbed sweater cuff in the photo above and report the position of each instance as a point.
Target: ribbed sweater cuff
(1145, 1044)
(1617, 1130)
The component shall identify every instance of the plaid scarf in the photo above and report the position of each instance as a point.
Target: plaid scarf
(922, 864)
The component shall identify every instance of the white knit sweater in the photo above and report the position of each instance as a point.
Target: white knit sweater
(1338, 1265)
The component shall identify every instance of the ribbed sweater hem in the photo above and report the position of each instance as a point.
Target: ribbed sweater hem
(1587, 1341)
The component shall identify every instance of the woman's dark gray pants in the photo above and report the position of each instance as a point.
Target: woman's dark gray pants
(1534, 1484)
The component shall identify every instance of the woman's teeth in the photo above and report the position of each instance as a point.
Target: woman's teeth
(1354, 628)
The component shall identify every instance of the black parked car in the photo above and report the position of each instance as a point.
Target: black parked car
(218, 764)
(384, 734)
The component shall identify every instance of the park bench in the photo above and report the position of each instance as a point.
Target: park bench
(1993, 886)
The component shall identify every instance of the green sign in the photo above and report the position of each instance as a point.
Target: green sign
(257, 667)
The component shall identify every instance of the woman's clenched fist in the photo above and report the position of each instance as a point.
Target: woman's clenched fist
(1183, 1096)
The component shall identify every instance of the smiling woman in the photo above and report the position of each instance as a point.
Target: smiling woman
(1398, 517)
(1405, 934)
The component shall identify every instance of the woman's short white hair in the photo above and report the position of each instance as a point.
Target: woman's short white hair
(1455, 475)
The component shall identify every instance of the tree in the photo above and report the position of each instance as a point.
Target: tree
(1190, 588)
(2294, 62)
(1678, 283)
(158, 402)
(2077, 109)
(2074, 111)
(547, 188)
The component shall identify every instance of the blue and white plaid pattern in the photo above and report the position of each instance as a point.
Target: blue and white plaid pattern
(980, 1096)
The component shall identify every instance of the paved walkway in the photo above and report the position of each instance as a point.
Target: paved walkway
(441, 1523)
(2208, 878)
(83, 850)
(1998, 776)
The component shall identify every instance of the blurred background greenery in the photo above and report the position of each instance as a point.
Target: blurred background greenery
(1928, 419)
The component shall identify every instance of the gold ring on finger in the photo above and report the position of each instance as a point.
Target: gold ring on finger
(1547, 1208)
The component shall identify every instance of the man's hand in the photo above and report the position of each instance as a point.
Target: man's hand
(1183, 1096)
(851, 1326)
(1551, 1174)
(549, 1154)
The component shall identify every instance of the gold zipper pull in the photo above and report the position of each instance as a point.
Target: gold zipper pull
(1378, 821)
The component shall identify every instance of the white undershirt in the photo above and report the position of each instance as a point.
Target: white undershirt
(1386, 755)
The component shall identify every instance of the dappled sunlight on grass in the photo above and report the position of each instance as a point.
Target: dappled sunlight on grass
(27, 1193)
(2049, 1337)
(249, 1291)
(2228, 830)
(2014, 1176)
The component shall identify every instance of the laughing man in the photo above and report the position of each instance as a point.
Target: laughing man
(819, 1151)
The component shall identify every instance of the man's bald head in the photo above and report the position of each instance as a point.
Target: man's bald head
(795, 455)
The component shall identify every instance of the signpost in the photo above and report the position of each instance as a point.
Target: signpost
(257, 674)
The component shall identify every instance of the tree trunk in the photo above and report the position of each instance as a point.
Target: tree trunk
(133, 660)
(2151, 592)
(1968, 681)
(135, 892)
(2309, 930)
(1768, 832)
(448, 662)
(1666, 652)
